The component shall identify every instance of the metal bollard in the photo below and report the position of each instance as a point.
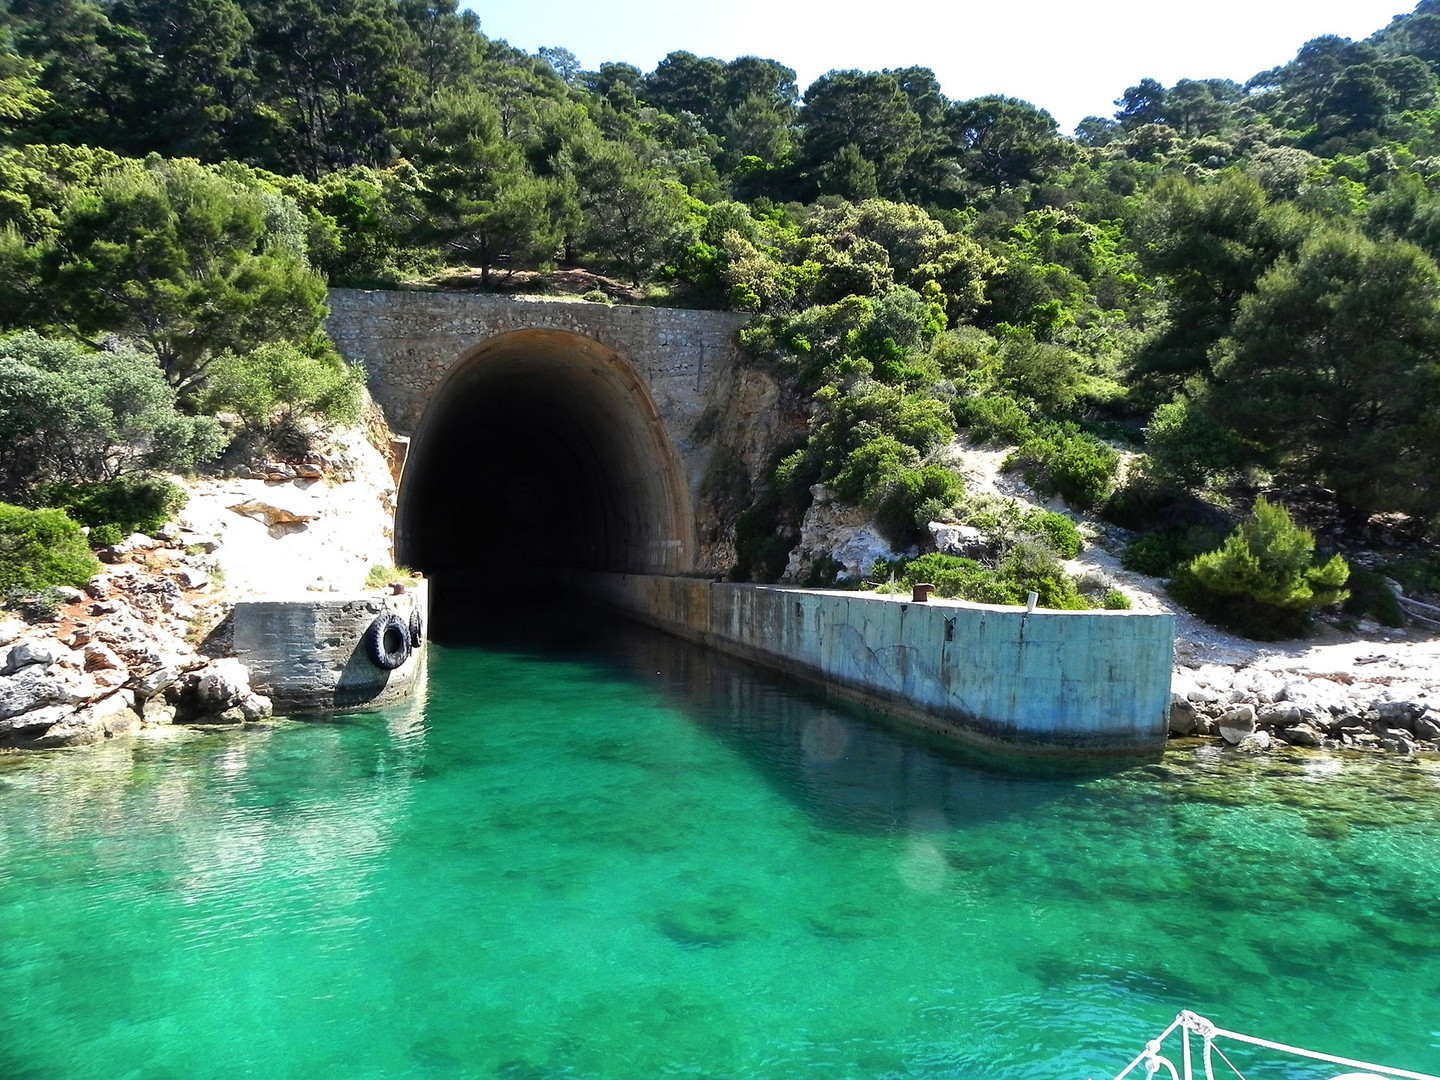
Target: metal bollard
(921, 593)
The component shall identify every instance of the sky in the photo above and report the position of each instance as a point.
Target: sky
(1073, 58)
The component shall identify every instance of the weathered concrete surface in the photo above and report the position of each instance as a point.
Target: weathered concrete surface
(309, 655)
(1047, 683)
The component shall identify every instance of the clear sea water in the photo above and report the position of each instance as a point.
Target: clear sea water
(629, 859)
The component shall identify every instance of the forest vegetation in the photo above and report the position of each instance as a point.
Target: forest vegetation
(1237, 282)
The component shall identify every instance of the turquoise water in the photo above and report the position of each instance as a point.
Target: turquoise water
(635, 860)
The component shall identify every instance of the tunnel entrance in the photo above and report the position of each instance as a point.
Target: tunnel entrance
(541, 451)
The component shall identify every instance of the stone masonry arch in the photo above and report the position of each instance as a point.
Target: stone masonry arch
(543, 449)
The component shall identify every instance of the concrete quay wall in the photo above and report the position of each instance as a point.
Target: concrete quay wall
(309, 656)
(1084, 684)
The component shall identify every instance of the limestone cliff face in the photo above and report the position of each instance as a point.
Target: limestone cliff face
(748, 418)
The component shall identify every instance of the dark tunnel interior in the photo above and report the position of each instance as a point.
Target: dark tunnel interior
(541, 453)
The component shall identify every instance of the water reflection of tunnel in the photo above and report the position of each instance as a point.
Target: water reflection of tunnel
(542, 450)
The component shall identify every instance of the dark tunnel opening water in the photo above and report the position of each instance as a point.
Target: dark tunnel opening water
(612, 855)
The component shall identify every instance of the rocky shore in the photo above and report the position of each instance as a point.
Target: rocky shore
(1256, 710)
(121, 654)
(144, 644)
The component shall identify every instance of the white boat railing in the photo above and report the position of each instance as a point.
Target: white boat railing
(1190, 1023)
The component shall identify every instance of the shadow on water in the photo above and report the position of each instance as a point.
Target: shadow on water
(849, 767)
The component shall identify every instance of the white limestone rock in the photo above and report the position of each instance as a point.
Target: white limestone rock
(1236, 724)
(35, 687)
(963, 540)
(27, 653)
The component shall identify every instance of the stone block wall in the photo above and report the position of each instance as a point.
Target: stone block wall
(409, 341)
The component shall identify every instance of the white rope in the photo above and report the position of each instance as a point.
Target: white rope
(1302, 1052)
(1188, 1021)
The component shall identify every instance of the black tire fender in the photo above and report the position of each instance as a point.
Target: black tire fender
(416, 627)
(387, 642)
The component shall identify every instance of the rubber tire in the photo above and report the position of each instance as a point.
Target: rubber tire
(381, 655)
(416, 628)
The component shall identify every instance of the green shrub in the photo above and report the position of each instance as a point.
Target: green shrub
(106, 535)
(1415, 573)
(823, 572)
(952, 576)
(1187, 447)
(379, 576)
(1161, 552)
(71, 415)
(993, 418)
(1371, 595)
(129, 505)
(1264, 581)
(1032, 566)
(595, 296)
(1076, 466)
(762, 544)
(916, 493)
(279, 384)
(40, 549)
(873, 467)
(1083, 470)
(1029, 566)
(1060, 531)
(1115, 600)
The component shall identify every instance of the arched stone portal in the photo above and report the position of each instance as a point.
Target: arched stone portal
(543, 449)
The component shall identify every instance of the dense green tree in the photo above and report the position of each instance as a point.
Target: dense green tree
(1333, 369)
(21, 97)
(631, 216)
(1144, 103)
(1210, 244)
(866, 110)
(479, 203)
(74, 415)
(196, 93)
(684, 82)
(1005, 141)
(339, 73)
(566, 63)
(188, 261)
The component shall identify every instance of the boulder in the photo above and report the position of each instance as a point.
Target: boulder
(68, 595)
(1398, 743)
(110, 716)
(1254, 742)
(1182, 716)
(10, 629)
(27, 653)
(33, 723)
(256, 707)
(190, 578)
(1235, 724)
(34, 687)
(211, 690)
(965, 540)
(308, 471)
(1284, 714)
(1302, 734)
(156, 711)
(1398, 713)
(1426, 727)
